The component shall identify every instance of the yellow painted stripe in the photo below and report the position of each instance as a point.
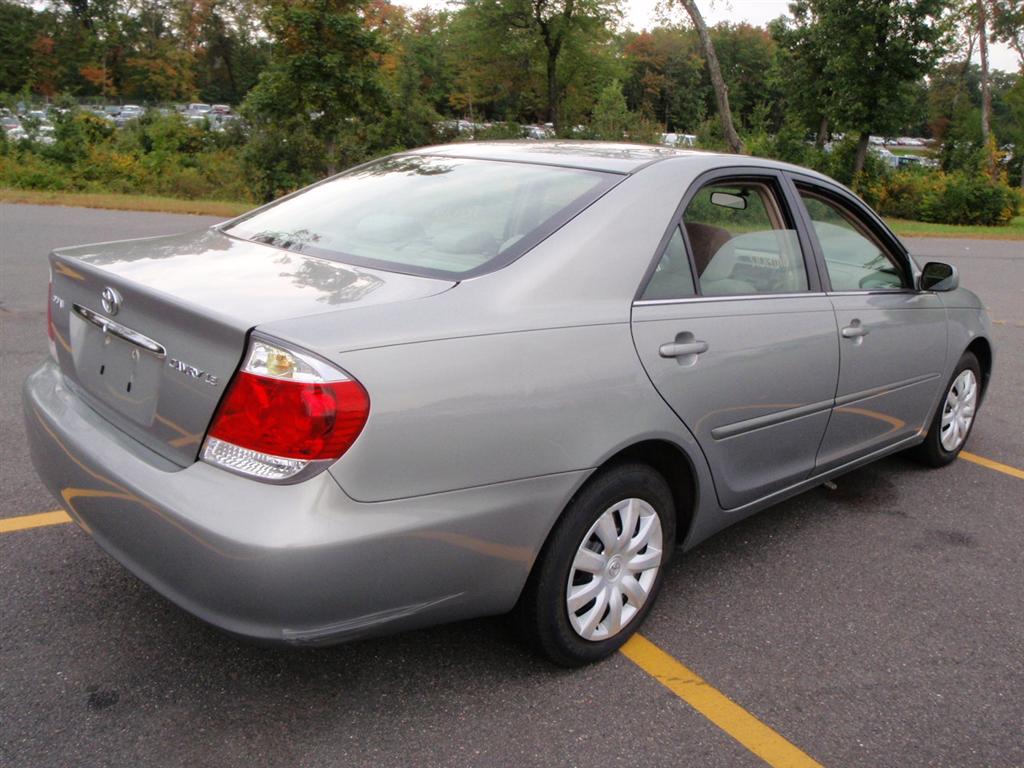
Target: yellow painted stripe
(8, 524)
(715, 706)
(1006, 469)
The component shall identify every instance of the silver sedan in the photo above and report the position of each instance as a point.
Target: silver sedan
(484, 378)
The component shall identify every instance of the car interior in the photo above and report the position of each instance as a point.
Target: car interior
(741, 244)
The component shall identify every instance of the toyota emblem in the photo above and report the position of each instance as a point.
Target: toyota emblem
(111, 300)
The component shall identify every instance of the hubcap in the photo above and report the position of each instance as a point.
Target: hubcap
(958, 410)
(614, 569)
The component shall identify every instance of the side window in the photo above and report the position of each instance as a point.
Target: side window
(741, 242)
(673, 278)
(855, 260)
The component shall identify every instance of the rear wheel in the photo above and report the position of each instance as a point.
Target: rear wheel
(601, 568)
(954, 418)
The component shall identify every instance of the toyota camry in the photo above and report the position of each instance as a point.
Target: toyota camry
(487, 378)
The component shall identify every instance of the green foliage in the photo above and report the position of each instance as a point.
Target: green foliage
(322, 84)
(947, 198)
(873, 50)
(159, 156)
(787, 144)
(611, 115)
(329, 83)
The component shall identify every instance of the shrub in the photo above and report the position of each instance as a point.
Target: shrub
(948, 198)
(967, 198)
(25, 170)
(902, 194)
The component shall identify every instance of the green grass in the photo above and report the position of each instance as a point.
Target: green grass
(119, 202)
(1012, 231)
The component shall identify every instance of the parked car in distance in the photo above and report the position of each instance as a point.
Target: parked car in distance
(486, 378)
(197, 108)
(679, 139)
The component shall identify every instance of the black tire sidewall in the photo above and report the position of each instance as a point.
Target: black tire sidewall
(552, 634)
(931, 450)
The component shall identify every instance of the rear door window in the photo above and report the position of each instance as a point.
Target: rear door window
(742, 242)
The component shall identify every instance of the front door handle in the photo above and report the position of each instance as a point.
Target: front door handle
(675, 349)
(854, 331)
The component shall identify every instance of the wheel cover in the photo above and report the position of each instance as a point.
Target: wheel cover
(958, 410)
(614, 569)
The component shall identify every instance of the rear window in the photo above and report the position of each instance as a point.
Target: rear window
(434, 216)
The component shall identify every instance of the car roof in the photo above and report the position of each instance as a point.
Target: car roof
(598, 155)
(589, 155)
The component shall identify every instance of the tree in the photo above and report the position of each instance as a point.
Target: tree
(312, 104)
(665, 77)
(19, 29)
(717, 82)
(554, 24)
(799, 62)
(872, 50)
(986, 92)
(1008, 25)
(611, 115)
(745, 54)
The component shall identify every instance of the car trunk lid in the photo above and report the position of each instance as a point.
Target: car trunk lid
(149, 332)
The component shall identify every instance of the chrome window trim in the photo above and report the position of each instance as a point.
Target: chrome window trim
(743, 297)
(877, 292)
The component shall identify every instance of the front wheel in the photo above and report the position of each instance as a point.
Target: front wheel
(954, 418)
(600, 570)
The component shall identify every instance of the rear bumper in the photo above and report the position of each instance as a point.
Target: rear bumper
(299, 563)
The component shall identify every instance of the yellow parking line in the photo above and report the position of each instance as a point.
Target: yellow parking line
(715, 706)
(58, 516)
(1006, 469)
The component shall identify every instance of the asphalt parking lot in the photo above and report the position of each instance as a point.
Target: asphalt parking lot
(880, 623)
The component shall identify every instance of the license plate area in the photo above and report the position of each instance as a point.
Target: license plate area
(121, 374)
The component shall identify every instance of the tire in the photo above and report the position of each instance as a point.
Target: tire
(959, 408)
(543, 616)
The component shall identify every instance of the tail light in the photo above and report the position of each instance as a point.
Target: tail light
(285, 416)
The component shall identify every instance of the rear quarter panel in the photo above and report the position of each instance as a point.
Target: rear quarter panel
(470, 411)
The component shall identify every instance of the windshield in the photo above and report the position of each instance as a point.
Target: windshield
(434, 216)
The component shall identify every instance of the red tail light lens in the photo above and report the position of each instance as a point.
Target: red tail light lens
(282, 412)
(295, 420)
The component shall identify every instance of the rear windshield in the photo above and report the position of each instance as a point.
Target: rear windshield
(434, 216)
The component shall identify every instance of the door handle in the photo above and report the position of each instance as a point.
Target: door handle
(675, 349)
(855, 331)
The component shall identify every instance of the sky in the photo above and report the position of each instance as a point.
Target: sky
(645, 13)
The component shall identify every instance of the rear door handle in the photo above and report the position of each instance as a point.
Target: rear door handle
(675, 349)
(855, 331)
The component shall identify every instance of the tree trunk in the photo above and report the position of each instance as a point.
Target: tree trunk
(822, 136)
(986, 92)
(329, 148)
(721, 90)
(553, 87)
(862, 154)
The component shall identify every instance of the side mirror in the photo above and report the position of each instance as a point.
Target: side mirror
(937, 276)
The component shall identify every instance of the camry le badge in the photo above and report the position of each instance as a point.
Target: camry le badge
(111, 301)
